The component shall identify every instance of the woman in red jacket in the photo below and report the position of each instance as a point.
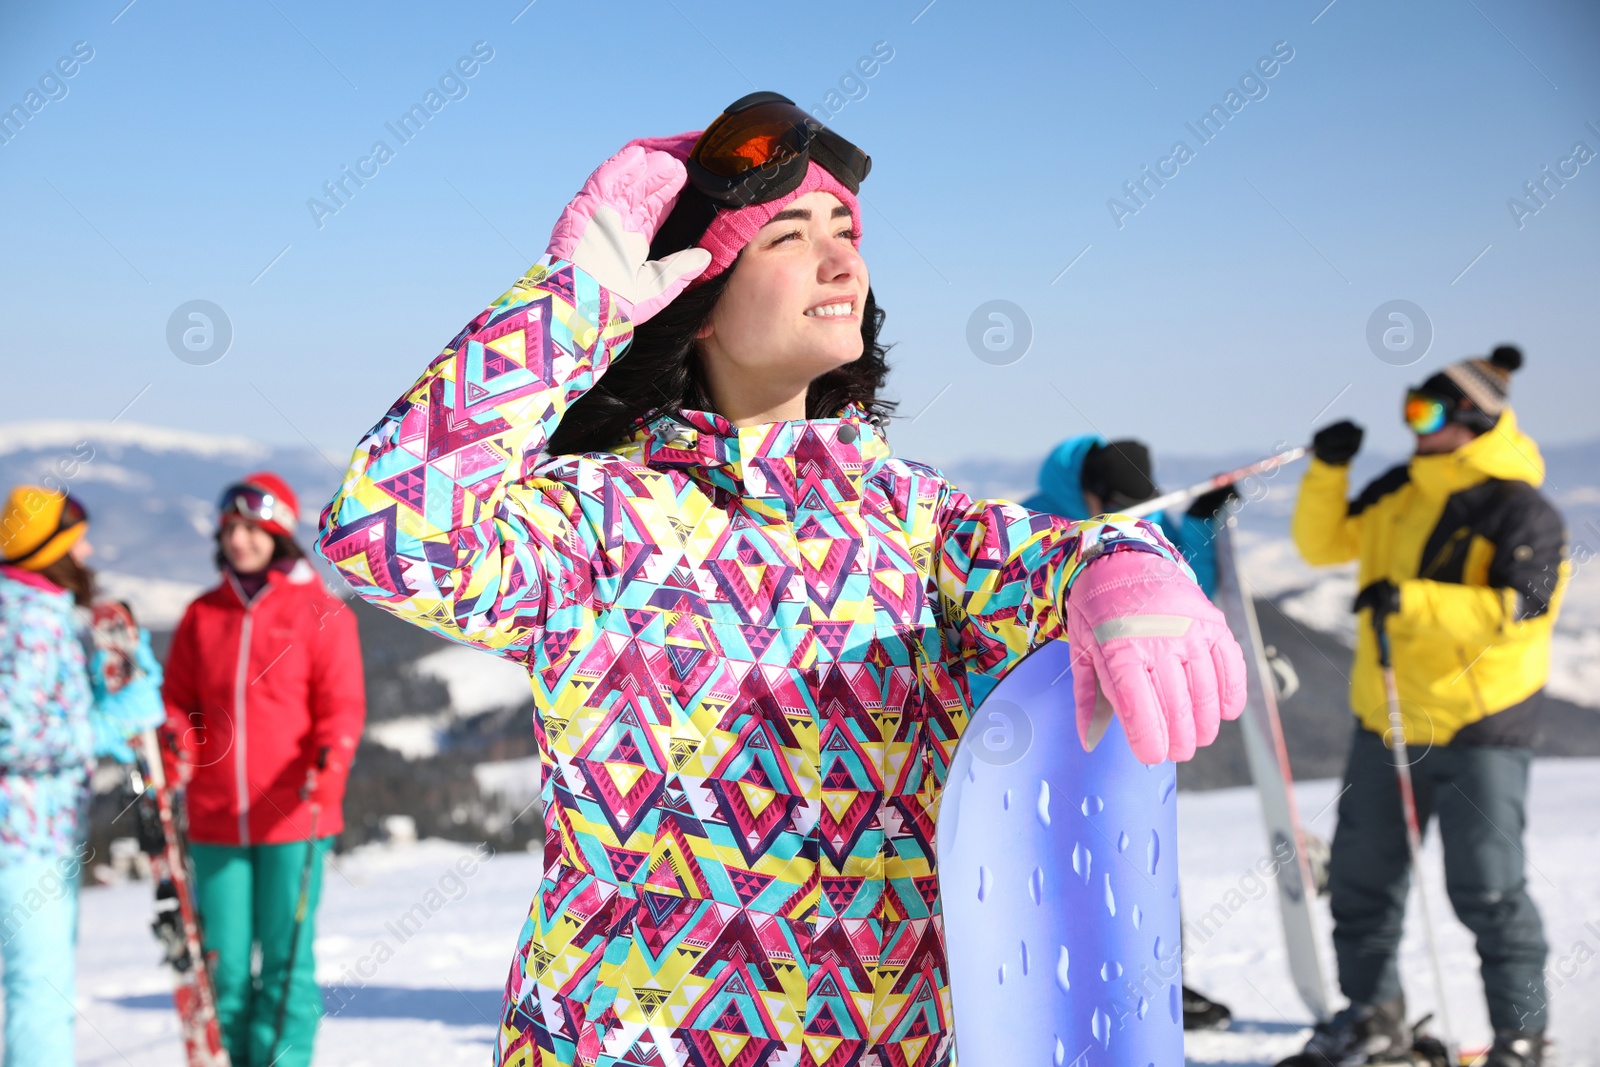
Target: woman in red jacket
(265, 704)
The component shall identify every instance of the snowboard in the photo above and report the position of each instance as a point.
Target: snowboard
(117, 635)
(1058, 880)
(1269, 766)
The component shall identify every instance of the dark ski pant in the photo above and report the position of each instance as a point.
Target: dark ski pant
(1479, 795)
(247, 897)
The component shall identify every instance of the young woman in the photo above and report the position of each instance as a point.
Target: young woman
(265, 703)
(656, 475)
(55, 718)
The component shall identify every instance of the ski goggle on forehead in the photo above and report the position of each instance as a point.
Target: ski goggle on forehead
(759, 148)
(256, 504)
(1424, 413)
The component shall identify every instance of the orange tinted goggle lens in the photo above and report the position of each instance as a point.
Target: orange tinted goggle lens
(1425, 414)
(753, 138)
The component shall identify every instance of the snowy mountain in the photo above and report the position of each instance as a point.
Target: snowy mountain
(151, 494)
(448, 734)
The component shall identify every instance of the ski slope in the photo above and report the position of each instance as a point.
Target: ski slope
(413, 943)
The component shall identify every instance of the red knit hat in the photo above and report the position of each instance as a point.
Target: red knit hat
(281, 511)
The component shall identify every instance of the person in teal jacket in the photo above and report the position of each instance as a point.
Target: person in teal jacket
(1086, 476)
(57, 717)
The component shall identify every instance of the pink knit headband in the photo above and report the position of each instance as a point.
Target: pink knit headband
(733, 228)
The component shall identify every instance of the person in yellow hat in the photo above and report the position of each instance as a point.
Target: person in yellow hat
(56, 717)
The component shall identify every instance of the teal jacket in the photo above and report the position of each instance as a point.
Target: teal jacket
(1061, 493)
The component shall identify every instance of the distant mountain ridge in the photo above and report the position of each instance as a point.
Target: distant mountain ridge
(449, 728)
(151, 491)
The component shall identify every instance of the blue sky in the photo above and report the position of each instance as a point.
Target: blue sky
(1228, 312)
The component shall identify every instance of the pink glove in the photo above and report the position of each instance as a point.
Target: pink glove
(607, 230)
(1148, 645)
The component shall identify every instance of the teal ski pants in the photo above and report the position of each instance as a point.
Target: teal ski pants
(247, 897)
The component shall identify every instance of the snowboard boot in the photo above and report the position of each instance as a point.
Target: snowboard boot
(1200, 1012)
(1513, 1049)
(1360, 1034)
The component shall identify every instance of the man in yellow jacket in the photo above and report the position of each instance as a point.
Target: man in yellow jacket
(1465, 562)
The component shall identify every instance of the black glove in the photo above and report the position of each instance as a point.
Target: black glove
(1382, 598)
(1337, 444)
(1209, 504)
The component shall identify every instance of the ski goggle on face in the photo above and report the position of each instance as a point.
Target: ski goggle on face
(255, 504)
(759, 148)
(1425, 414)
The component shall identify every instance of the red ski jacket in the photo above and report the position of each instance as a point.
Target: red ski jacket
(254, 690)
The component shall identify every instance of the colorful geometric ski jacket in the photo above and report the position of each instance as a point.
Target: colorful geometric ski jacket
(46, 738)
(753, 650)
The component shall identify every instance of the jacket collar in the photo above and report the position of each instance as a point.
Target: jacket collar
(1504, 452)
(801, 462)
(31, 579)
(282, 572)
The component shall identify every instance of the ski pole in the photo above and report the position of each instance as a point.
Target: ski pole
(1408, 805)
(1199, 489)
(303, 903)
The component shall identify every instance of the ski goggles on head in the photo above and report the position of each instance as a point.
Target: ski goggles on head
(255, 504)
(1425, 413)
(759, 149)
(73, 513)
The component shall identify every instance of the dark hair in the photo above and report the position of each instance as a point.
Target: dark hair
(661, 374)
(72, 576)
(282, 548)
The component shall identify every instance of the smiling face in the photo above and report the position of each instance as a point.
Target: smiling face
(247, 547)
(1447, 438)
(791, 312)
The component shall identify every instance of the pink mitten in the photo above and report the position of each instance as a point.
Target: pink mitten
(1149, 646)
(607, 229)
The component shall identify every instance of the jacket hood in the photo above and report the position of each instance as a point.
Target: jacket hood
(1061, 479)
(1504, 452)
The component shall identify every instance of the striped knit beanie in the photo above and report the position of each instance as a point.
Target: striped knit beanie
(1478, 388)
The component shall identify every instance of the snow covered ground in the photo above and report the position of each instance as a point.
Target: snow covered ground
(1243, 963)
(413, 944)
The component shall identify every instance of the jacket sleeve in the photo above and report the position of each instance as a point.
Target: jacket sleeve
(1196, 538)
(1003, 572)
(179, 734)
(118, 717)
(1326, 529)
(1528, 574)
(338, 698)
(438, 520)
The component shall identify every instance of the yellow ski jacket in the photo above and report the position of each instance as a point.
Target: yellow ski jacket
(1480, 557)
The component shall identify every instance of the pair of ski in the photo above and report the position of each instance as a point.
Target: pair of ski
(161, 838)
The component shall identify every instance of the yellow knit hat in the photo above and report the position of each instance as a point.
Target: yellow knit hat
(38, 526)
